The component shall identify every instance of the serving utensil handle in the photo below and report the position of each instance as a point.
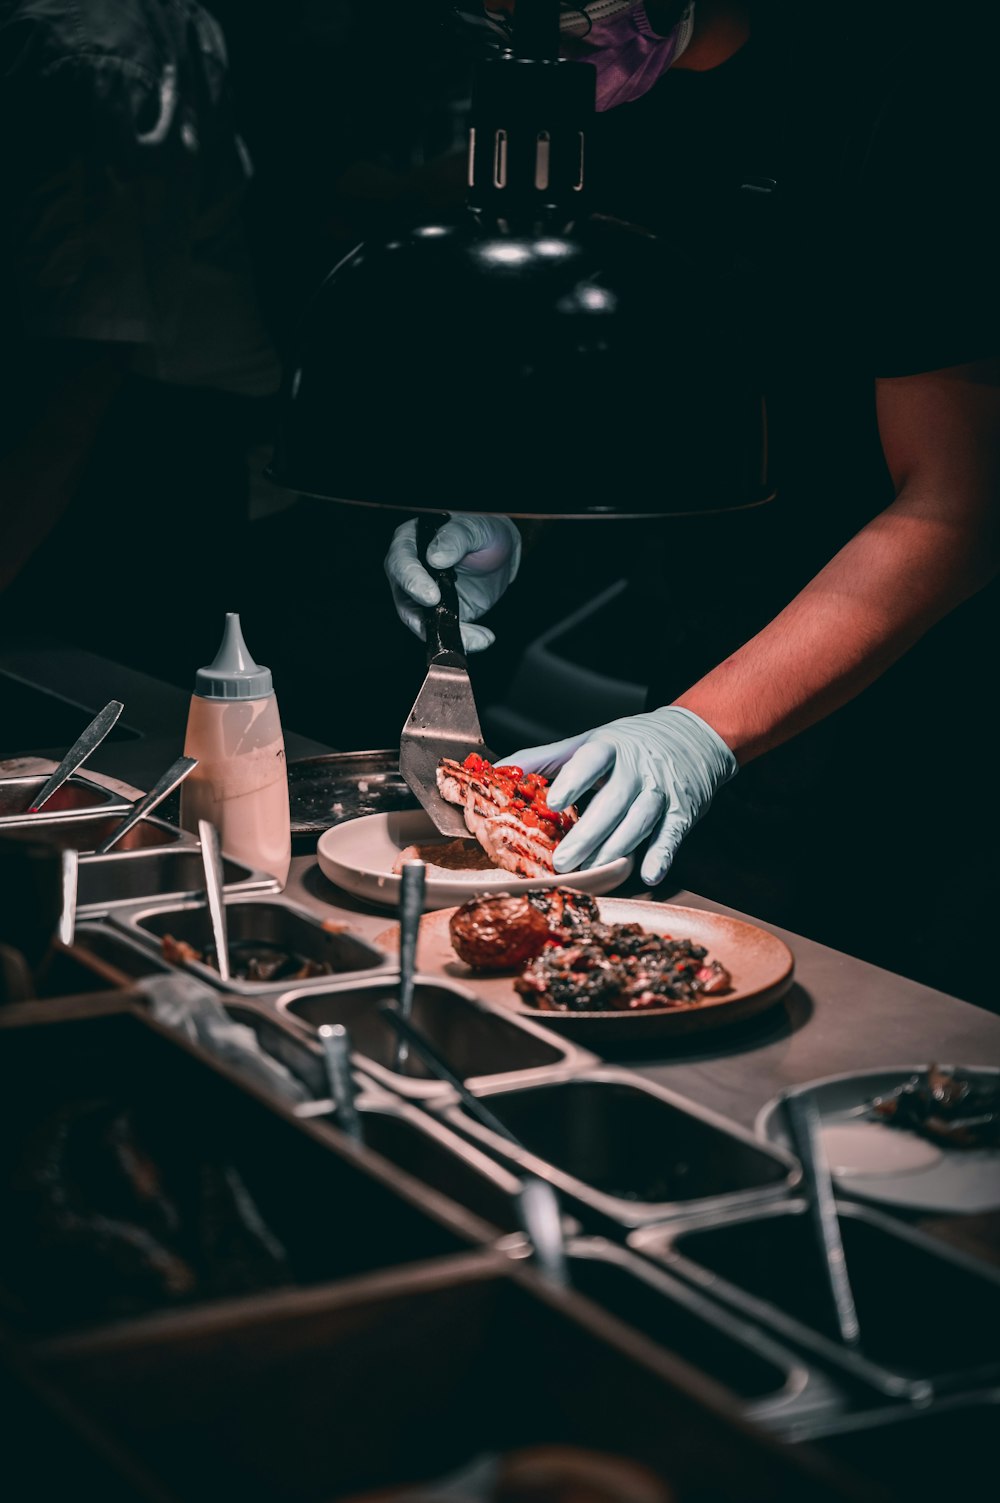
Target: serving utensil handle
(441, 621)
(164, 785)
(803, 1123)
(211, 859)
(88, 741)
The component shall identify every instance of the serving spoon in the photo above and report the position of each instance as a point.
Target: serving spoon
(164, 785)
(211, 860)
(88, 741)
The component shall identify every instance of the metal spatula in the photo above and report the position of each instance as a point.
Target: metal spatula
(444, 721)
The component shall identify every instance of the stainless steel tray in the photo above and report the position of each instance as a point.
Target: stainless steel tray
(772, 1384)
(928, 1314)
(172, 874)
(78, 796)
(326, 790)
(913, 1451)
(250, 916)
(84, 833)
(625, 1151)
(481, 1043)
(415, 1141)
(335, 1213)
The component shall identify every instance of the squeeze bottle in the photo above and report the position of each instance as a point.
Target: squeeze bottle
(240, 782)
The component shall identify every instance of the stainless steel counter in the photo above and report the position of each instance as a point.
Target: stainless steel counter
(840, 1014)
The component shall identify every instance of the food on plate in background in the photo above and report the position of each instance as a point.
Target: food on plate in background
(952, 1107)
(447, 856)
(249, 960)
(620, 968)
(503, 931)
(508, 813)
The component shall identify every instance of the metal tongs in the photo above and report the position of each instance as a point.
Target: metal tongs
(444, 721)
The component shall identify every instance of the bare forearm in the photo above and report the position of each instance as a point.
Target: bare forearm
(902, 573)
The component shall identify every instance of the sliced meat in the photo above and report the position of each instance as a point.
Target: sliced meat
(507, 811)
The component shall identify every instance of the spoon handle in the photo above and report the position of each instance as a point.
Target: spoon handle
(411, 906)
(88, 741)
(164, 785)
(211, 856)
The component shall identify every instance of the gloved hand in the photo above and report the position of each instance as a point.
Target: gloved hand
(664, 770)
(484, 551)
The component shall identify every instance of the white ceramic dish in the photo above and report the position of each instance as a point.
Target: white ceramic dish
(359, 856)
(891, 1166)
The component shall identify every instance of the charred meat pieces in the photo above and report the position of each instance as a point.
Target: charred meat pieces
(249, 960)
(621, 968)
(572, 962)
(956, 1108)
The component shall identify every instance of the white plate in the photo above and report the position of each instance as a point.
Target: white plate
(360, 854)
(891, 1166)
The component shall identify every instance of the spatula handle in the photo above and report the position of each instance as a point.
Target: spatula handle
(444, 633)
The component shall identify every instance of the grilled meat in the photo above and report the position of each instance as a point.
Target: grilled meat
(249, 960)
(565, 909)
(500, 932)
(506, 810)
(951, 1107)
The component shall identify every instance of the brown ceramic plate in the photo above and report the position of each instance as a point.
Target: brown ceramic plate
(760, 964)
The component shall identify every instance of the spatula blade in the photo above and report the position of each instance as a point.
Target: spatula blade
(444, 722)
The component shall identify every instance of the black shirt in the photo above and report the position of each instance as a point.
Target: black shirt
(871, 254)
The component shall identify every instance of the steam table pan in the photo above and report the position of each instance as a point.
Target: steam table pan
(626, 1152)
(141, 876)
(78, 795)
(774, 1386)
(252, 919)
(406, 1378)
(479, 1042)
(85, 834)
(231, 1195)
(916, 1452)
(928, 1314)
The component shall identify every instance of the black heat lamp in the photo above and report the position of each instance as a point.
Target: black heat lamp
(532, 359)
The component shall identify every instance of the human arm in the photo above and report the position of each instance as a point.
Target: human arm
(936, 544)
(933, 547)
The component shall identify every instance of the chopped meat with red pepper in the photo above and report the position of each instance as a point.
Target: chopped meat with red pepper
(619, 968)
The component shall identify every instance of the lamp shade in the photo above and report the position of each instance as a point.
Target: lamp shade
(530, 358)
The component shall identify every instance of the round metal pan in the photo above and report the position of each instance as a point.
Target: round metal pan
(329, 789)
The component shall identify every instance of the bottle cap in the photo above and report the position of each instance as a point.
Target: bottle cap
(233, 674)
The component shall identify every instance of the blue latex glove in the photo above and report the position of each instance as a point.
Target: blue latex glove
(662, 771)
(484, 551)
